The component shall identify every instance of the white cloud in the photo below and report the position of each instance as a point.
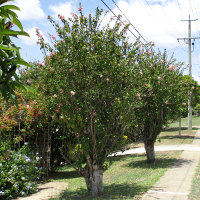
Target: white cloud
(64, 9)
(32, 40)
(160, 21)
(196, 78)
(30, 10)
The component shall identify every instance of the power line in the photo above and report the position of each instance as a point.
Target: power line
(179, 6)
(120, 20)
(191, 9)
(129, 21)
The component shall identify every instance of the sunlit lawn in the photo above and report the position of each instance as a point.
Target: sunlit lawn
(184, 122)
(127, 178)
(130, 176)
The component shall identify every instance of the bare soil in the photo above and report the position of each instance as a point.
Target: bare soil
(47, 191)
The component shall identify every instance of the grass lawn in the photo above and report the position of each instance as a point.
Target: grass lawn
(195, 190)
(128, 177)
(184, 122)
(171, 136)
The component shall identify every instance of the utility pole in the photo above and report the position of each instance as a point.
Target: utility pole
(190, 69)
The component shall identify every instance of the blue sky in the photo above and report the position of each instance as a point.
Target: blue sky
(157, 20)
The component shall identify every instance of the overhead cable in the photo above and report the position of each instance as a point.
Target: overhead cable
(120, 20)
(129, 21)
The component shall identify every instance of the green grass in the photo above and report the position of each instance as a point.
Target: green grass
(171, 136)
(127, 178)
(184, 122)
(195, 190)
(130, 176)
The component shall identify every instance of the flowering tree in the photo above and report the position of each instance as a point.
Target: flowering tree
(87, 80)
(162, 92)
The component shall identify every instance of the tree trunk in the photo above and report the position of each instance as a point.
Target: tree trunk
(150, 153)
(94, 180)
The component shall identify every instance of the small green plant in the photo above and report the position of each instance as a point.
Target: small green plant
(18, 172)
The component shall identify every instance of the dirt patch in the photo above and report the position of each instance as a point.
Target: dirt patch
(47, 191)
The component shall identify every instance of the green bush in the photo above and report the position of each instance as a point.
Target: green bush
(197, 109)
(18, 172)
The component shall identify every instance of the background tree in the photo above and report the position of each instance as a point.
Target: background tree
(92, 98)
(162, 91)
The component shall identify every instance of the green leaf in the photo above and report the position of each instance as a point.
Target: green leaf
(4, 1)
(17, 23)
(10, 7)
(8, 47)
(11, 32)
(1, 72)
(3, 53)
(20, 62)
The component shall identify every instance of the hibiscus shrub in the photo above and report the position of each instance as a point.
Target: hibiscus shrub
(92, 98)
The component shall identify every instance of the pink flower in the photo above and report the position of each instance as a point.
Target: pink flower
(73, 14)
(183, 104)
(70, 69)
(101, 76)
(159, 77)
(51, 53)
(138, 94)
(28, 81)
(72, 93)
(61, 91)
(139, 98)
(193, 87)
(171, 67)
(41, 63)
(61, 17)
(112, 18)
(60, 104)
(37, 29)
(166, 102)
(27, 106)
(52, 69)
(80, 9)
(55, 95)
(53, 37)
(107, 80)
(39, 35)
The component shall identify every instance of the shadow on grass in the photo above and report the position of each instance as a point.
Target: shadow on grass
(112, 191)
(172, 129)
(64, 175)
(177, 137)
(160, 163)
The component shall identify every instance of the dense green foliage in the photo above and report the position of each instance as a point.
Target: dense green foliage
(10, 58)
